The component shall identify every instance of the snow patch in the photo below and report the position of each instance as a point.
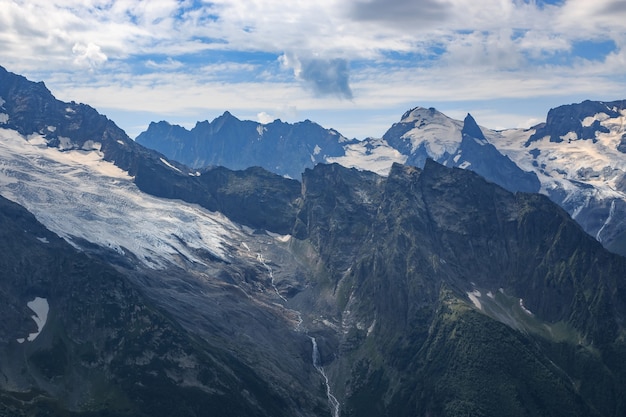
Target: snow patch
(527, 311)
(371, 328)
(43, 239)
(371, 155)
(283, 238)
(65, 143)
(465, 164)
(317, 150)
(590, 120)
(260, 130)
(456, 158)
(169, 165)
(91, 145)
(4, 118)
(570, 136)
(474, 297)
(40, 307)
(2, 102)
(51, 129)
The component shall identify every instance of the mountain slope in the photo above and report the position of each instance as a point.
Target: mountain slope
(102, 348)
(438, 238)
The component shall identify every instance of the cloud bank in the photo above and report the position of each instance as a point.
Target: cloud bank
(184, 58)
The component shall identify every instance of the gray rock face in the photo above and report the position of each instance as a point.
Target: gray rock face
(283, 148)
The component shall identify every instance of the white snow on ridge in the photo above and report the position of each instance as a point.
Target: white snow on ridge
(589, 120)
(78, 194)
(596, 162)
(438, 132)
(169, 165)
(378, 158)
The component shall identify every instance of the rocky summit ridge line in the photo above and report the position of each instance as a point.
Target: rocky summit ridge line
(576, 157)
(428, 291)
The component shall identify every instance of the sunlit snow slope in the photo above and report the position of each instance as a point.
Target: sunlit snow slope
(77, 194)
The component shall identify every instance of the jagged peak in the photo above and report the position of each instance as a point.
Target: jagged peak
(159, 124)
(227, 115)
(471, 128)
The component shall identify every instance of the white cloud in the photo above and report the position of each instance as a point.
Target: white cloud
(264, 118)
(184, 57)
(88, 56)
(168, 64)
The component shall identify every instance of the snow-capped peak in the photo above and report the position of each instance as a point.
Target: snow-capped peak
(436, 131)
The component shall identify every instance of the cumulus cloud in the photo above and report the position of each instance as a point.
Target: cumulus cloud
(264, 118)
(325, 77)
(88, 56)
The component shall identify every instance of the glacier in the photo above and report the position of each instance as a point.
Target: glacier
(80, 196)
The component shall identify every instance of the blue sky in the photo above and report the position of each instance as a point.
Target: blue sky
(353, 65)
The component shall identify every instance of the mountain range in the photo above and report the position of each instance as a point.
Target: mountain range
(577, 157)
(135, 285)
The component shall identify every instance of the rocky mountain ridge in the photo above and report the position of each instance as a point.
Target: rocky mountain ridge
(279, 147)
(575, 158)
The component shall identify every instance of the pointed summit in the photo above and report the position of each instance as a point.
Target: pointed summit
(226, 116)
(471, 128)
